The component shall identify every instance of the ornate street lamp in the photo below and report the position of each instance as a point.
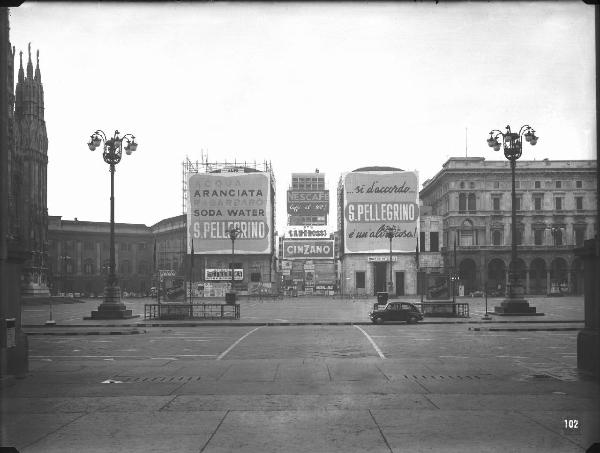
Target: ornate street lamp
(390, 232)
(233, 234)
(512, 144)
(112, 307)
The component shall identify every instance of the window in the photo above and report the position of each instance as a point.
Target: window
(496, 184)
(497, 237)
(472, 202)
(434, 241)
(142, 246)
(537, 202)
(558, 203)
(496, 203)
(579, 203)
(517, 184)
(69, 267)
(466, 233)
(462, 185)
(125, 247)
(422, 241)
(557, 236)
(462, 202)
(518, 203)
(520, 234)
(538, 236)
(558, 184)
(360, 280)
(579, 184)
(88, 245)
(255, 276)
(88, 268)
(125, 267)
(538, 184)
(471, 185)
(579, 236)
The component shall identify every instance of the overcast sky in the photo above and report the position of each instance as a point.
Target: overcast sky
(331, 86)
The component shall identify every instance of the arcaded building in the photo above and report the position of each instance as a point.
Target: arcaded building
(556, 212)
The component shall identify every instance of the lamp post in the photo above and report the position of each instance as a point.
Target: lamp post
(512, 144)
(390, 232)
(112, 307)
(233, 235)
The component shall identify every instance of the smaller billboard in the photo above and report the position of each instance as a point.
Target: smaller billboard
(308, 203)
(223, 274)
(308, 249)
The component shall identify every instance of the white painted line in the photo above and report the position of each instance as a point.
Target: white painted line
(372, 342)
(224, 353)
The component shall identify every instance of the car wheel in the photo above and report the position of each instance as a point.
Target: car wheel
(378, 320)
(411, 320)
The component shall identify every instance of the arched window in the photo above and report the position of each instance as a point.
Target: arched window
(466, 233)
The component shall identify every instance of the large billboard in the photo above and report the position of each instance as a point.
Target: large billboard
(308, 203)
(218, 202)
(307, 249)
(374, 200)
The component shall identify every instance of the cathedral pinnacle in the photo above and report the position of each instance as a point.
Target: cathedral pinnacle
(38, 75)
(21, 76)
(29, 64)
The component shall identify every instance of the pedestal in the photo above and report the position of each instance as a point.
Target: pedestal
(515, 307)
(112, 307)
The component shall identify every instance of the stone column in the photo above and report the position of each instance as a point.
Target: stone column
(548, 281)
(526, 280)
(588, 339)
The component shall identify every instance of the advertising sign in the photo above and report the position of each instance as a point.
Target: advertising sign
(309, 203)
(374, 200)
(307, 232)
(307, 249)
(223, 274)
(218, 202)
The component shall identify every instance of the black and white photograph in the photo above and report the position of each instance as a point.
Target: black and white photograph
(297, 227)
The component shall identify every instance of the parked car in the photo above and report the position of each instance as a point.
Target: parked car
(396, 311)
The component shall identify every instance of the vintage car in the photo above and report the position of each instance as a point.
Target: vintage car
(396, 311)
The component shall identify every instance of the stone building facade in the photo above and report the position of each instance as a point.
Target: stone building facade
(556, 212)
(79, 256)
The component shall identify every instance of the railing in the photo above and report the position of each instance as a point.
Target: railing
(191, 311)
(447, 309)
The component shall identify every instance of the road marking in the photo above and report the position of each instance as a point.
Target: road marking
(224, 353)
(372, 342)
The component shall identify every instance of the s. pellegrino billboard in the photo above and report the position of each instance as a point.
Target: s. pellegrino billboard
(218, 202)
(374, 200)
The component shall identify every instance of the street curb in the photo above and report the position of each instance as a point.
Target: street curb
(290, 323)
(94, 332)
(549, 329)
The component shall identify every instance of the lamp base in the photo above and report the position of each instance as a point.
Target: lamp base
(112, 307)
(516, 307)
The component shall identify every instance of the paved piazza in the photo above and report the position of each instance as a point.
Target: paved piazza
(435, 386)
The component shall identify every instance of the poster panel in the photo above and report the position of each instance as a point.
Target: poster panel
(307, 203)
(218, 202)
(307, 249)
(372, 201)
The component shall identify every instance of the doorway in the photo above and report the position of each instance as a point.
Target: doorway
(399, 283)
(379, 279)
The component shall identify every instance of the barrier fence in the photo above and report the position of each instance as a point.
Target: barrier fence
(191, 311)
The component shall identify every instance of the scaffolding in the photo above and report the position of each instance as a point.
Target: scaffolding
(189, 167)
